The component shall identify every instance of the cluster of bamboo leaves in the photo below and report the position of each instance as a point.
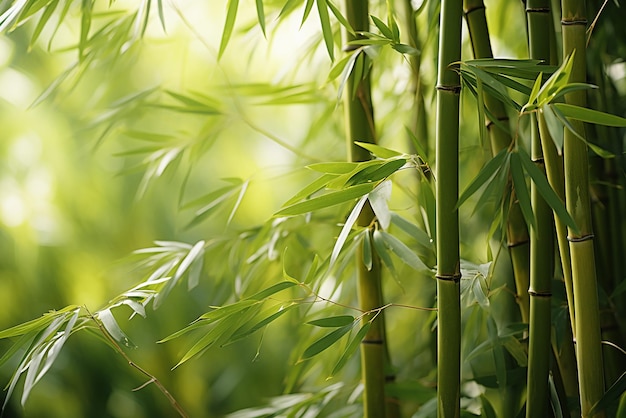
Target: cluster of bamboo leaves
(271, 281)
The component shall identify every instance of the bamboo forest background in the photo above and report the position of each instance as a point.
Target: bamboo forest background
(312, 208)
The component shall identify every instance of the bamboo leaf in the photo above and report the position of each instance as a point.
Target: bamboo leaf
(265, 293)
(521, 190)
(375, 173)
(110, 324)
(333, 321)
(494, 165)
(327, 30)
(367, 250)
(382, 27)
(589, 115)
(247, 330)
(307, 10)
(555, 127)
(345, 231)
(327, 200)
(403, 252)
(378, 199)
(260, 12)
(611, 396)
(378, 151)
(549, 195)
(326, 341)
(344, 22)
(383, 252)
(351, 348)
(229, 25)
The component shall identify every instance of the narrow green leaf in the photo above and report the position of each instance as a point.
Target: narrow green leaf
(260, 13)
(378, 151)
(367, 250)
(521, 190)
(351, 348)
(110, 324)
(383, 252)
(516, 349)
(333, 321)
(374, 173)
(313, 187)
(344, 22)
(555, 127)
(247, 330)
(493, 166)
(265, 293)
(307, 10)
(333, 168)
(403, 252)
(378, 199)
(612, 396)
(327, 200)
(383, 28)
(534, 93)
(43, 20)
(35, 325)
(229, 25)
(326, 341)
(345, 231)
(549, 195)
(589, 115)
(327, 30)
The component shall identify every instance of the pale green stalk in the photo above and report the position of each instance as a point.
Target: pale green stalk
(447, 191)
(588, 342)
(360, 127)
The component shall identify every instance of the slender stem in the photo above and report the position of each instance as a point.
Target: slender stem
(447, 190)
(588, 341)
(360, 127)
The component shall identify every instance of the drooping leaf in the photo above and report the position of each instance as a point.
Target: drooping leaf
(327, 200)
(589, 115)
(229, 25)
(326, 341)
(403, 252)
(546, 191)
(611, 396)
(497, 163)
(378, 199)
(378, 151)
(345, 231)
(521, 190)
(265, 293)
(333, 321)
(555, 127)
(110, 324)
(327, 30)
(260, 12)
(351, 348)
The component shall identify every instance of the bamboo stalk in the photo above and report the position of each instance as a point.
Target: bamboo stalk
(516, 230)
(541, 239)
(447, 190)
(588, 342)
(360, 127)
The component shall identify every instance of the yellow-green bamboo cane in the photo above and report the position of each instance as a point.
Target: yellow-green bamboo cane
(360, 127)
(588, 342)
(541, 239)
(447, 190)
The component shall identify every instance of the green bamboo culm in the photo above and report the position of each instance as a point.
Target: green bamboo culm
(541, 239)
(516, 230)
(360, 127)
(587, 320)
(447, 191)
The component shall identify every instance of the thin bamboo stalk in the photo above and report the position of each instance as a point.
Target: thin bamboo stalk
(360, 127)
(541, 239)
(516, 230)
(588, 342)
(447, 191)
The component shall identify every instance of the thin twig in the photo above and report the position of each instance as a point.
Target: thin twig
(152, 378)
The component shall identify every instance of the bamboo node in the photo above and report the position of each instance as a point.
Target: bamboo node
(517, 243)
(538, 10)
(580, 239)
(453, 89)
(480, 6)
(350, 47)
(539, 294)
(582, 22)
(375, 342)
(449, 277)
